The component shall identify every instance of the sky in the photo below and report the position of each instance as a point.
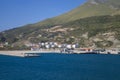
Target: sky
(17, 13)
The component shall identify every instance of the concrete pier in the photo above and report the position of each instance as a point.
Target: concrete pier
(20, 53)
(37, 53)
(27, 53)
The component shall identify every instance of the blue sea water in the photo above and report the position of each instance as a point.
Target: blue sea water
(61, 67)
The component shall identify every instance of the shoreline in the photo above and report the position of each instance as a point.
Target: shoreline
(29, 53)
(24, 53)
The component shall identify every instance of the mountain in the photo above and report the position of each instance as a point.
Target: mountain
(82, 25)
(90, 8)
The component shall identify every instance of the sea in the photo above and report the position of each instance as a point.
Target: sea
(61, 67)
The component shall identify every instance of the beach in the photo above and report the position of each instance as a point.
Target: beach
(20, 53)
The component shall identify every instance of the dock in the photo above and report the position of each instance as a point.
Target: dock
(21, 53)
(28, 53)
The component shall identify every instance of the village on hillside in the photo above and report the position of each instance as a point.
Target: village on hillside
(67, 48)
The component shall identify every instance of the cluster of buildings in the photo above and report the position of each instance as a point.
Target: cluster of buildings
(71, 48)
(52, 45)
(67, 48)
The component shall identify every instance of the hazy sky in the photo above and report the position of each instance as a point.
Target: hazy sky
(15, 13)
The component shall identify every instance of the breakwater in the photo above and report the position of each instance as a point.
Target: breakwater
(28, 53)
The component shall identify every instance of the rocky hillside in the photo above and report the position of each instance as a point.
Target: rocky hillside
(96, 23)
